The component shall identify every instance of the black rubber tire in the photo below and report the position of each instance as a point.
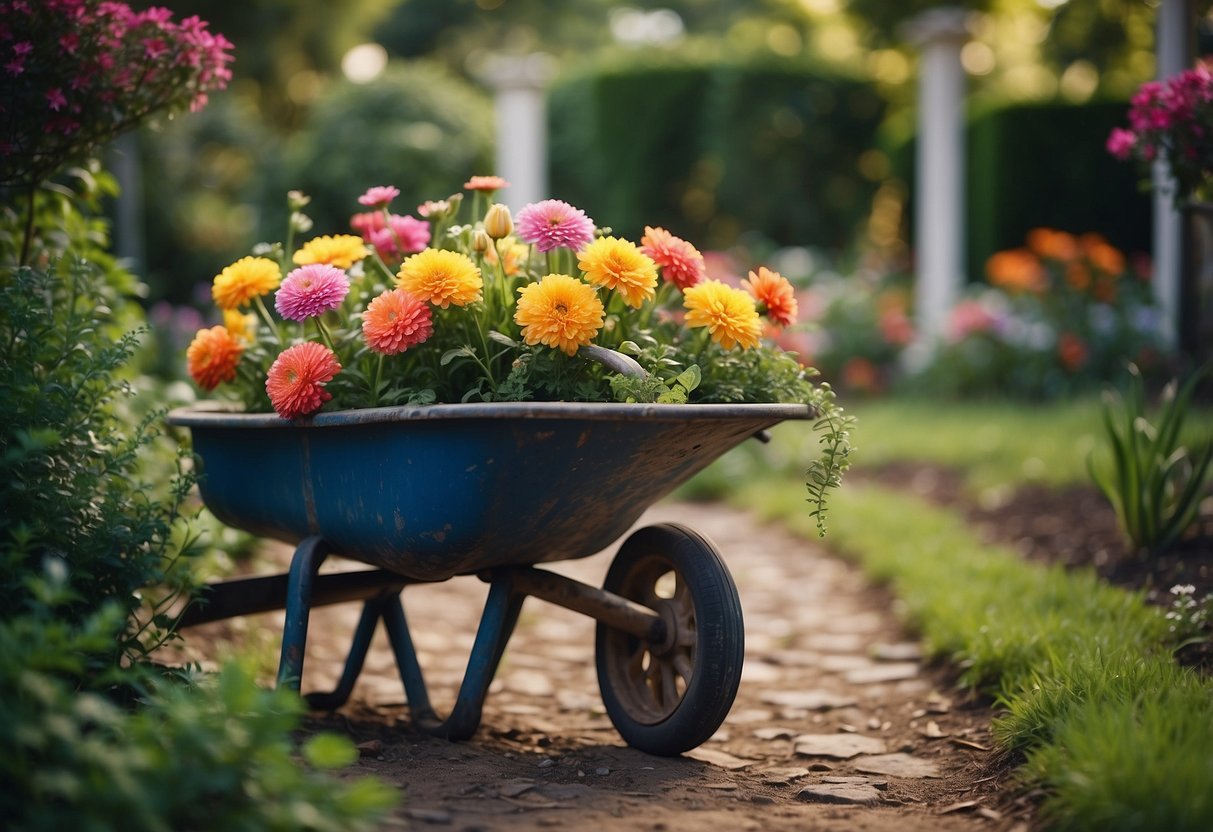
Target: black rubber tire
(656, 715)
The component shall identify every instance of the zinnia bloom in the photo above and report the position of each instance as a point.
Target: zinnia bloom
(340, 250)
(619, 265)
(309, 291)
(554, 224)
(559, 311)
(680, 262)
(773, 291)
(441, 277)
(485, 183)
(212, 357)
(395, 321)
(379, 196)
(240, 324)
(728, 313)
(246, 279)
(295, 382)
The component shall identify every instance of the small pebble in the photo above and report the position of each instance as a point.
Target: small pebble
(602, 771)
(547, 762)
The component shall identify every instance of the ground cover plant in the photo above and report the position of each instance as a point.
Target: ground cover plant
(1079, 666)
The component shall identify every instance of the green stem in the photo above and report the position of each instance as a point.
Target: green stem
(324, 334)
(28, 237)
(375, 380)
(265, 315)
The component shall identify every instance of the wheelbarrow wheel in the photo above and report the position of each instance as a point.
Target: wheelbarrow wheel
(669, 697)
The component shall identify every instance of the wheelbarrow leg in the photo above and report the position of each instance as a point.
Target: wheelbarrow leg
(496, 625)
(372, 611)
(309, 554)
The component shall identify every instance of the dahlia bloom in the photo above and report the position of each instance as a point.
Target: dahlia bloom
(1016, 270)
(441, 277)
(729, 314)
(340, 250)
(212, 357)
(395, 321)
(243, 325)
(559, 311)
(485, 183)
(296, 379)
(312, 290)
(679, 261)
(245, 280)
(554, 224)
(773, 291)
(379, 196)
(619, 265)
(393, 236)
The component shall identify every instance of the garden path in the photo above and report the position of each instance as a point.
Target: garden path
(838, 725)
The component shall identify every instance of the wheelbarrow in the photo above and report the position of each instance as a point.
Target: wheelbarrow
(427, 493)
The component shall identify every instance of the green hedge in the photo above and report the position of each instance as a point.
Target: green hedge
(714, 148)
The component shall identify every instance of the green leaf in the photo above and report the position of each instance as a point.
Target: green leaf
(329, 751)
(502, 338)
(451, 355)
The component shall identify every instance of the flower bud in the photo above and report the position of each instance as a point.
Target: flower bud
(481, 242)
(497, 222)
(297, 200)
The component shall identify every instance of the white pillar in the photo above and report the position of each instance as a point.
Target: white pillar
(519, 85)
(939, 234)
(1173, 54)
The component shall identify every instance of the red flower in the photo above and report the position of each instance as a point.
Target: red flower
(295, 382)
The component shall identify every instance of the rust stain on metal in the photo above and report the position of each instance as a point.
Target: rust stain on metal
(583, 438)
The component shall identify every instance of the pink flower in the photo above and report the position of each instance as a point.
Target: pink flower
(56, 100)
(395, 321)
(967, 318)
(295, 381)
(680, 262)
(379, 196)
(311, 290)
(1120, 143)
(554, 224)
(393, 236)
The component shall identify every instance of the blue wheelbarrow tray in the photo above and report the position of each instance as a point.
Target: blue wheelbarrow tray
(427, 493)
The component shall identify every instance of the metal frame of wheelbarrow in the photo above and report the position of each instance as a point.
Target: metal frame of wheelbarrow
(302, 589)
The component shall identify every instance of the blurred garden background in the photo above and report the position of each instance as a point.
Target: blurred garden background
(779, 132)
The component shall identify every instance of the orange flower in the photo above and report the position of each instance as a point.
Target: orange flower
(774, 294)
(212, 357)
(338, 250)
(511, 253)
(1052, 244)
(485, 183)
(296, 379)
(441, 277)
(619, 265)
(1103, 256)
(559, 311)
(729, 314)
(245, 280)
(395, 321)
(1071, 351)
(680, 262)
(1016, 270)
(860, 374)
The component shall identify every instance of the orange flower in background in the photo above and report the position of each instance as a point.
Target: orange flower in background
(338, 250)
(559, 311)
(295, 381)
(1078, 276)
(395, 321)
(1052, 244)
(1016, 270)
(443, 278)
(861, 375)
(618, 264)
(1071, 351)
(485, 183)
(896, 327)
(244, 281)
(774, 295)
(510, 252)
(729, 314)
(212, 356)
(1103, 256)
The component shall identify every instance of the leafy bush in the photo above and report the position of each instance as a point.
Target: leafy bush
(212, 755)
(727, 144)
(1153, 481)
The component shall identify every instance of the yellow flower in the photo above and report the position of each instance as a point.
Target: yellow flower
(619, 265)
(728, 313)
(441, 277)
(339, 250)
(246, 279)
(559, 311)
(242, 325)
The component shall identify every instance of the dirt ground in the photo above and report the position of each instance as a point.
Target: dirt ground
(838, 724)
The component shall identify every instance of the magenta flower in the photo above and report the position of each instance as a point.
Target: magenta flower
(402, 235)
(1121, 142)
(554, 224)
(379, 196)
(311, 290)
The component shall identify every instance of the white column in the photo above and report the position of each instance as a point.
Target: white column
(1173, 54)
(939, 234)
(519, 85)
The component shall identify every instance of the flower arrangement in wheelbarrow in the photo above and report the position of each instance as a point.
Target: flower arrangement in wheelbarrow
(545, 306)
